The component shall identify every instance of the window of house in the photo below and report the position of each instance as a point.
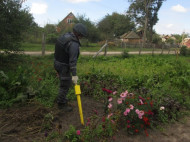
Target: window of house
(69, 21)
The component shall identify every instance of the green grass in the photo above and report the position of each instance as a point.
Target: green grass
(93, 47)
(136, 71)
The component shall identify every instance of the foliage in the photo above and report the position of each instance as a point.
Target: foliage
(111, 25)
(50, 32)
(156, 39)
(14, 20)
(184, 51)
(93, 35)
(13, 87)
(125, 54)
(139, 10)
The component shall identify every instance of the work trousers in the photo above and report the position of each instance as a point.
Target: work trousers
(65, 81)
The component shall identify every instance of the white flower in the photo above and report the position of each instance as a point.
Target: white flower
(162, 108)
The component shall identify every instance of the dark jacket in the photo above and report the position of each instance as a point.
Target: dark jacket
(67, 51)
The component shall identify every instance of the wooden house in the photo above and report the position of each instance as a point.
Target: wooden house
(66, 23)
(186, 42)
(131, 38)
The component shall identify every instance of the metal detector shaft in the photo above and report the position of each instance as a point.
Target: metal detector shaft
(78, 92)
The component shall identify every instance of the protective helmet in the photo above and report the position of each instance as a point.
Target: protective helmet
(80, 29)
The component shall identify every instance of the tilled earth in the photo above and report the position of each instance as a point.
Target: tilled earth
(26, 123)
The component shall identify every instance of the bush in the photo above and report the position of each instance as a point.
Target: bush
(184, 51)
(125, 54)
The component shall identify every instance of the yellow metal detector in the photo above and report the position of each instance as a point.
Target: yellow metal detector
(78, 92)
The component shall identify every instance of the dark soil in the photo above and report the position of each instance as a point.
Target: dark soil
(25, 124)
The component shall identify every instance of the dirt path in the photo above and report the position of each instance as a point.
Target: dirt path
(26, 123)
(174, 132)
(102, 53)
(38, 53)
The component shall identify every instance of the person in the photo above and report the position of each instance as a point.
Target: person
(65, 62)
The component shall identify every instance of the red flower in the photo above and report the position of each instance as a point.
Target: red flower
(106, 90)
(146, 132)
(141, 98)
(39, 79)
(150, 112)
(95, 111)
(136, 130)
(151, 103)
(103, 119)
(146, 120)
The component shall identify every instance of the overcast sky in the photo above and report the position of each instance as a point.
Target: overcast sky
(174, 15)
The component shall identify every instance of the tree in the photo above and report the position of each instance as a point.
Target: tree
(93, 34)
(145, 14)
(51, 33)
(14, 20)
(115, 25)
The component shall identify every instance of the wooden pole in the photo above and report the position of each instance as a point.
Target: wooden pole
(43, 44)
(153, 49)
(101, 49)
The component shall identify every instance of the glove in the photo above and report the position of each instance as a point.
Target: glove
(74, 79)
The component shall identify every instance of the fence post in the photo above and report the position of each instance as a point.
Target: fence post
(153, 49)
(43, 44)
(140, 49)
(105, 51)
(162, 48)
(101, 49)
(169, 50)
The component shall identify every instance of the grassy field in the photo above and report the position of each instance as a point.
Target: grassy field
(93, 47)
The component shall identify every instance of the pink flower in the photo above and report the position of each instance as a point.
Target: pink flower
(109, 115)
(126, 112)
(141, 102)
(119, 100)
(123, 95)
(137, 111)
(126, 92)
(115, 92)
(130, 95)
(110, 99)
(113, 122)
(78, 132)
(140, 114)
(131, 107)
(110, 105)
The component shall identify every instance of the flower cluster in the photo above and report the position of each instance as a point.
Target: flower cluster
(136, 111)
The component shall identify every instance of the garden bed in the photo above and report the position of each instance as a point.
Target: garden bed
(122, 97)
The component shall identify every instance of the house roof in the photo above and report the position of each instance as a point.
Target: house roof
(187, 42)
(69, 15)
(130, 35)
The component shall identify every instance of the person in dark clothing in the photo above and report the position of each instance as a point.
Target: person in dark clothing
(65, 62)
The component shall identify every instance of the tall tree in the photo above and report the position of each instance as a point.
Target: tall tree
(145, 14)
(115, 25)
(14, 20)
(93, 34)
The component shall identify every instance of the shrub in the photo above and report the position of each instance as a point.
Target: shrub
(184, 51)
(125, 54)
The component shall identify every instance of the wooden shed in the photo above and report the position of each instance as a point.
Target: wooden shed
(131, 38)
